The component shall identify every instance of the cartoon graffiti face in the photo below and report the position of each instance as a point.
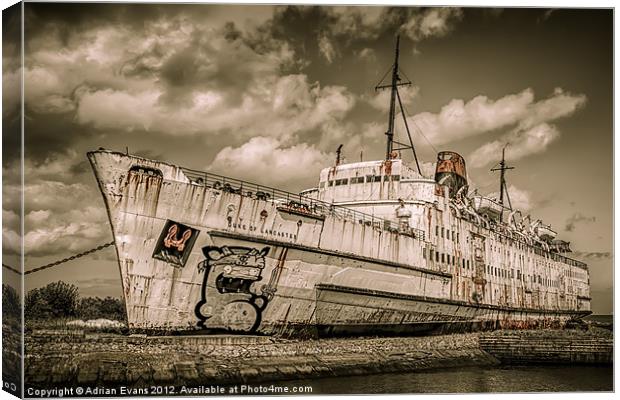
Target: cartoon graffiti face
(232, 298)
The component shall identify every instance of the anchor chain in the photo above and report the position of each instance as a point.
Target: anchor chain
(64, 260)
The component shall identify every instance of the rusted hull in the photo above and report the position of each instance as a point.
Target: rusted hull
(199, 256)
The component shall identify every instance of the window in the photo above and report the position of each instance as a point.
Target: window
(395, 178)
(442, 232)
(370, 178)
(424, 253)
(331, 183)
(436, 230)
(377, 178)
(443, 259)
(357, 179)
(322, 185)
(463, 263)
(340, 182)
(436, 256)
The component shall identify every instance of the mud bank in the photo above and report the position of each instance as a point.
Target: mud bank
(79, 359)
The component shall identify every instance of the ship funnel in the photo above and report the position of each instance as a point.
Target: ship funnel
(451, 171)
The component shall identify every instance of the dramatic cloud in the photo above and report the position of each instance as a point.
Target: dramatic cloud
(431, 22)
(61, 216)
(71, 231)
(267, 161)
(327, 49)
(339, 27)
(381, 99)
(519, 198)
(596, 255)
(11, 82)
(531, 133)
(369, 22)
(367, 54)
(522, 143)
(577, 218)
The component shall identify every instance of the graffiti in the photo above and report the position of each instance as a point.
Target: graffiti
(175, 243)
(231, 298)
(170, 241)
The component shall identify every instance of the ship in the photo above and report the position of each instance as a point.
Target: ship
(377, 248)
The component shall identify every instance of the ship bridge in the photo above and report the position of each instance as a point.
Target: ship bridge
(379, 188)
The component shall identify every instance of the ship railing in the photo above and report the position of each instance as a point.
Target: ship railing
(299, 203)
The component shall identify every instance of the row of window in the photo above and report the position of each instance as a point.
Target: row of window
(440, 257)
(495, 271)
(360, 179)
(539, 251)
(447, 234)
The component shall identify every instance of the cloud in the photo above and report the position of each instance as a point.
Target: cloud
(11, 87)
(369, 22)
(381, 99)
(577, 218)
(560, 104)
(545, 15)
(276, 106)
(354, 27)
(596, 255)
(431, 22)
(459, 119)
(327, 49)
(520, 199)
(267, 161)
(367, 54)
(522, 143)
(61, 216)
(119, 109)
(528, 120)
(65, 232)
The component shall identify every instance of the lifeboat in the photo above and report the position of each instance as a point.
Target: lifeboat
(545, 232)
(487, 207)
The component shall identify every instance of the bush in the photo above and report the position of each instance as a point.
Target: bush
(11, 304)
(96, 307)
(56, 300)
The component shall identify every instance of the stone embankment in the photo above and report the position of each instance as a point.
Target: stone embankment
(558, 347)
(104, 360)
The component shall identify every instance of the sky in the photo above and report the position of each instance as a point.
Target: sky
(267, 93)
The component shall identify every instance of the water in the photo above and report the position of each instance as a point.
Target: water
(472, 380)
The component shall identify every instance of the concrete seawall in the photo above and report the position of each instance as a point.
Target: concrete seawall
(112, 360)
(525, 347)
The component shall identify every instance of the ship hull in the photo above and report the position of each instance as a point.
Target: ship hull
(198, 257)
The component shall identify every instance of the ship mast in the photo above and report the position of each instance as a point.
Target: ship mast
(396, 82)
(394, 87)
(502, 180)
